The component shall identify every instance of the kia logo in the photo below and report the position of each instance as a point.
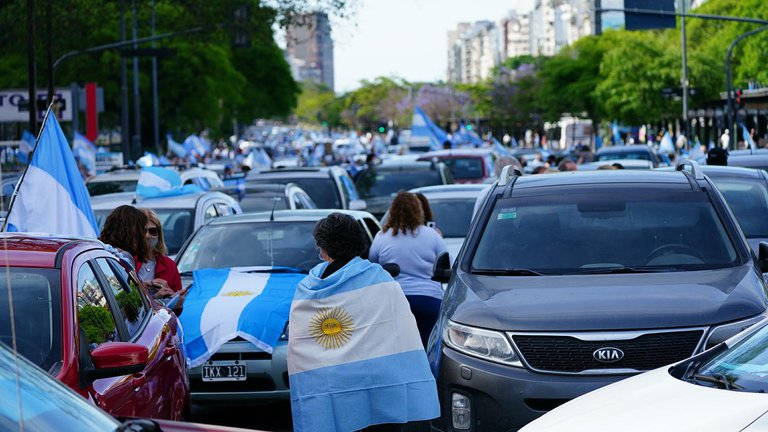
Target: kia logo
(608, 355)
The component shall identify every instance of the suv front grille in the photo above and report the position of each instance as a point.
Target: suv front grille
(569, 354)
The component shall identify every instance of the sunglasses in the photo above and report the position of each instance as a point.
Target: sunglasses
(154, 231)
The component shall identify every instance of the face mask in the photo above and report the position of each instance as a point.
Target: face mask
(152, 243)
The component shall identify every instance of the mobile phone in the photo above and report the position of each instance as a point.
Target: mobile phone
(431, 224)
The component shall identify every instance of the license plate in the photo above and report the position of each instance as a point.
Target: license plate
(224, 371)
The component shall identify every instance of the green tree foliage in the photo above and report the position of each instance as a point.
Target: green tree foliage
(375, 101)
(208, 83)
(318, 104)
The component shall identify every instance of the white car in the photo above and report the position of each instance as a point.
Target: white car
(720, 390)
(125, 180)
(180, 215)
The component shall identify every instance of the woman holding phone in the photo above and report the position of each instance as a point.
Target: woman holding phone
(158, 273)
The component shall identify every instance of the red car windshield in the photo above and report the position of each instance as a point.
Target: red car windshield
(33, 296)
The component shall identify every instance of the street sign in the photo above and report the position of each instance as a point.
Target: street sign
(633, 21)
(14, 106)
(676, 92)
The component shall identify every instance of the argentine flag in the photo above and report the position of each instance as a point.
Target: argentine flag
(158, 181)
(52, 197)
(223, 304)
(423, 126)
(354, 354)
(85, 152)
(25, 146)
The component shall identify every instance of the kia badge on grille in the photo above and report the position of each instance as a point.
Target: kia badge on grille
(608, 355)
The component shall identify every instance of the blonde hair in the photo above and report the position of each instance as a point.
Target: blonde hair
(160, 249)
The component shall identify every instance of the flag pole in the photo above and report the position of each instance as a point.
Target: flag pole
(29, 162)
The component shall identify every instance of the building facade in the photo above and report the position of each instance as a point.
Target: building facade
(309, 49)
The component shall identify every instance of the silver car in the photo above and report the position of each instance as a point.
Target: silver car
(231, 242)
(125, 180)
(180, 215)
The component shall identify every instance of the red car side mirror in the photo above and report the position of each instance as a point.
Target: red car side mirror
(117, 358)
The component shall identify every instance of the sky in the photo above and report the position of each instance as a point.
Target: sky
(405, 38)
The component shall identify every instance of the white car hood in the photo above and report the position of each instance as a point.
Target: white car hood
(656, 401)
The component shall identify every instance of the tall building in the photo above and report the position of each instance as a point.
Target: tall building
(310, 49)
(515, 35)
(454, 51)
(473, 52)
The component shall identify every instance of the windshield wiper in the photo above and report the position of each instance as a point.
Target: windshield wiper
(618, 270)
(718, 379)
(508, 272)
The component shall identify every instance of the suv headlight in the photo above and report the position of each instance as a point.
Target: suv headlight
(485, 344)
(726, 331)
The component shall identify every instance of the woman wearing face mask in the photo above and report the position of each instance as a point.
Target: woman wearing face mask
(159, 273)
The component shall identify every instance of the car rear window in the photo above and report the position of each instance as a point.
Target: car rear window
(452, 216)
(638, 155)
(323, 191)
(376, 183)
(178, 225)
(263, 201)
(465, 168)
(108, 187)
(36, 308)
(570, 232)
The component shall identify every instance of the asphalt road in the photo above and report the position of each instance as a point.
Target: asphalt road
(269, 417)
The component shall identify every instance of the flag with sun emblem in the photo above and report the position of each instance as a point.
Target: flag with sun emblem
(355, 357)
(223, 304)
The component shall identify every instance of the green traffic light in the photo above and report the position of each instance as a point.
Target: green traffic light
(381, 129)
(469, 127)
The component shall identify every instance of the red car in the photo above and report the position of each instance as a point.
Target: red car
(466, 165)
(78, 314)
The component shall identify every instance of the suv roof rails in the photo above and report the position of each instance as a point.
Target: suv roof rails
(505, 176)
(695, 168)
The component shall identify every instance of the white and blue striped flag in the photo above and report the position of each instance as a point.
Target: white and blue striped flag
(25, 146)
(85, 152)
(176, 148)
(223, 304)
(52, 197)
(355, 357)
(158, 181)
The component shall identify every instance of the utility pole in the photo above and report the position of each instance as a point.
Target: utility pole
(684, 83)
(136, 107)
(125, 140)
(155, 109)
(31, 67)
(49, 51)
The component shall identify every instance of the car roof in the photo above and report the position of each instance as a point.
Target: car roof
(288, 173)
(288, 216)
(130, 174)
(474, 153)
(730, 171)
(607, 177)
(389, 165)
(110, 201)
(625, 148)
(39, 250)
(458, 189)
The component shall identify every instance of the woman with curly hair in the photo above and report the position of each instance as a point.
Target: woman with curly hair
(407, 242)
(124, 231)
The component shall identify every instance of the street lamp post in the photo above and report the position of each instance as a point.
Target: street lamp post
(728, 85)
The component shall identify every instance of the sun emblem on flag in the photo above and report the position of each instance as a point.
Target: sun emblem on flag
(331, 327)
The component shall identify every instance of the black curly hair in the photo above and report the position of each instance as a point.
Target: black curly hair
(340, 236)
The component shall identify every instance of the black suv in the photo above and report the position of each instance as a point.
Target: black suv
(568, 282)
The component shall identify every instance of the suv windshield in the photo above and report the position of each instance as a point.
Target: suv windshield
(604, 230)
(748, 200)
(379, 182)
(284, 244)
(36, 308)
(741, 368)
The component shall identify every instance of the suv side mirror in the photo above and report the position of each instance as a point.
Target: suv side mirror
(441, 270)
(762, 257)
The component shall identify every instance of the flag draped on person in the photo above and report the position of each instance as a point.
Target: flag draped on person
(747, 137)
(158, 181)
(223, 304)
(355, 356)
(423, 127)
(85, 153)
(51, 195)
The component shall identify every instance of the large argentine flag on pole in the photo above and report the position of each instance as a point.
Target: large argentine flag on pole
(223, 304)
(354, 354)
(51, 196)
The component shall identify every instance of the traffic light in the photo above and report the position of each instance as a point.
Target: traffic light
(738, 98)
(382, 127)
(469, 127)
